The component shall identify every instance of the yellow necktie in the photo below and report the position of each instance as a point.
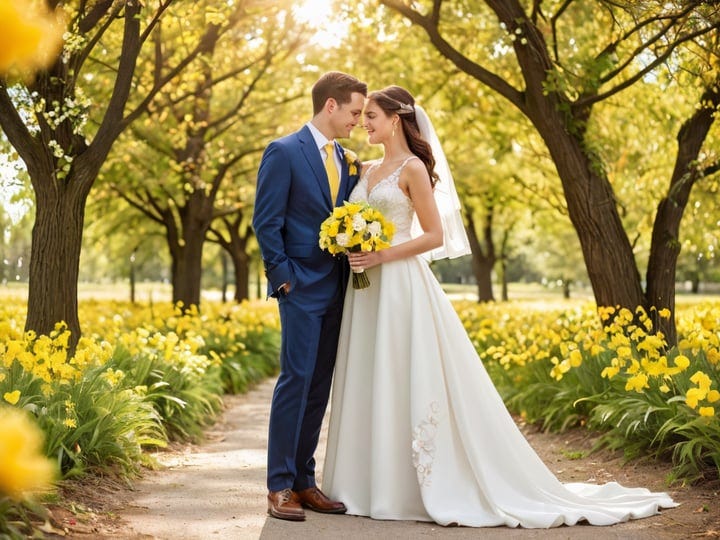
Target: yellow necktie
(332, 172)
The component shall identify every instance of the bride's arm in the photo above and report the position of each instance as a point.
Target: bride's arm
(415, 182)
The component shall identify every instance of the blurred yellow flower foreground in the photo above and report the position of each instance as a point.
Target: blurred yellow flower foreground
(24, 469)
(29, 35)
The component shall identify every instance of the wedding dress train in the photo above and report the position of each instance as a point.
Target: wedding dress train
(417, 428)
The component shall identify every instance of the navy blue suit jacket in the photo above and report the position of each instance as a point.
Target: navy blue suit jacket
(291, 201)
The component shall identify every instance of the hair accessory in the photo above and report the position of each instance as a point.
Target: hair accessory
(406, 108)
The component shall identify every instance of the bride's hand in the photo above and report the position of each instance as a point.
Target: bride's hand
(363, 260)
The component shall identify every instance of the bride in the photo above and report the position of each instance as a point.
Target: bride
(417, 429)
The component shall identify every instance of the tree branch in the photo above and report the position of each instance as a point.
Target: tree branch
(589, 100)
(477, 71)
(553, 25)
(711, 169)
(142, 208)
(112, 124)
(646, 44)
(15, 129)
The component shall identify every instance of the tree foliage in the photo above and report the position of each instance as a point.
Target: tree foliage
(555, 62)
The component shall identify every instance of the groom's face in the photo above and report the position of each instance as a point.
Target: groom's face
(347, 115)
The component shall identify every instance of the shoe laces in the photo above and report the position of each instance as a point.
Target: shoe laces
(285, 495)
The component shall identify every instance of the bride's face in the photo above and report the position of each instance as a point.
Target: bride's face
(377, 123)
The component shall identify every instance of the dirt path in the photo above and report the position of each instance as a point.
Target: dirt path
(217, 490)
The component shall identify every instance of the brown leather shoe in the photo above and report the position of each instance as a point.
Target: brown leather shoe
(314, 499)
(283, 505)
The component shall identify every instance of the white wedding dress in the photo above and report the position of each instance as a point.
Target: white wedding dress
(417, 429)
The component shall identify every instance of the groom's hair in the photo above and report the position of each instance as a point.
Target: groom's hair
(336, 85)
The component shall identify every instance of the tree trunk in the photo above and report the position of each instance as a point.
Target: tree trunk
(63, 164)
(607, 251)
(132, 277)
(665, 245)
(224, 262)
(55, 260)
(483, 257)
(187, 252)
(504, 290)
(235, 243)
(503, 262)
(483, 274)
(695, 283)
(242, 276)
(259, 275)
(187, 280)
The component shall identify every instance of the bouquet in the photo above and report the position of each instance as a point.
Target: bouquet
(356, 227)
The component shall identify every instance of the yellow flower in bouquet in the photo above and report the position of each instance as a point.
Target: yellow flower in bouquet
(356, 227)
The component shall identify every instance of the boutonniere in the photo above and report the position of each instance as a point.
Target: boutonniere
(352, 161)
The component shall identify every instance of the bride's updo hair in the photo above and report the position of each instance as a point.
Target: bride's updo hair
(397, 100)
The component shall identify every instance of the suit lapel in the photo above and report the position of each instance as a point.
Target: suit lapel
(345, 187)
(312, 155)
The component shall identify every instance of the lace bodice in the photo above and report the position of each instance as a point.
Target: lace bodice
(387, 197)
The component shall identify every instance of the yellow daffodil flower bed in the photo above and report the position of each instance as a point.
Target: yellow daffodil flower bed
(141, 375)
(563, 367)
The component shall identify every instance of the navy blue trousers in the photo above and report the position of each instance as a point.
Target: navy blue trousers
(307, 360)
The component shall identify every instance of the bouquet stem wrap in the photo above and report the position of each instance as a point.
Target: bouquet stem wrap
(360, 280)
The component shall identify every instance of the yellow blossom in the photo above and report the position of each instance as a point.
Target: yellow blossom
(693, 396)
(682, 362)
(610, 372)
(575, 358)
(654, 368)
(634, 366)
(560, 368)
(651, 344)
(624, 352)
(24, 468)
(606, 312)
(12, 397)
(702, 380)
(665, 313)
(637, 382)
(619, 340)
(706, 411)
(29, 35)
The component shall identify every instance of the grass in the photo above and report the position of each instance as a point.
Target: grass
(546, 298)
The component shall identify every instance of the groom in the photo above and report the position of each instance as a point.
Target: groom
(301, 178)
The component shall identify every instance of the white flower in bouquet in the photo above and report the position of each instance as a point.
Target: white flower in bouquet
(342, 239)
(375, 229)
(358, 222)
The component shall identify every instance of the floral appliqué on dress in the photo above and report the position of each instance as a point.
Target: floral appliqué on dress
(423, 445)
